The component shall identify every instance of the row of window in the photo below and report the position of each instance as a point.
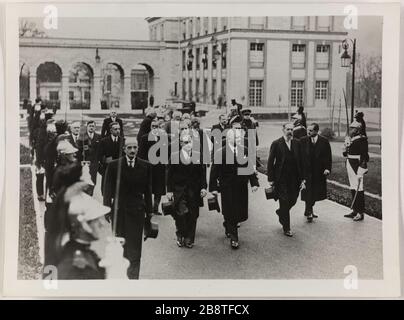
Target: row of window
(198, 26)
(202, 95)
(219, 52)
(255, 92)
(298, 55)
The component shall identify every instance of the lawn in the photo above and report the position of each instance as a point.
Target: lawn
(29, 266)
(25, 155)
(341, 195)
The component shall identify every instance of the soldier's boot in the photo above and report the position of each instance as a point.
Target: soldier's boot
(353, 213)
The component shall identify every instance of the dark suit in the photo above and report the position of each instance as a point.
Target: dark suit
(315, 158)
(70, 138)
(134, 203)
(88, 152)
(105, 126)
(158, 170)
(225, 178)
(144, 128)
(108, 151)
(284, 170)
(186, 181)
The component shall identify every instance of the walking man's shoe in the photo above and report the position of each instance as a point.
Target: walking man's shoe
(288, 233)
(310, 218)
(234, 244)
(359, 217)
(180, 241)
(350, 215)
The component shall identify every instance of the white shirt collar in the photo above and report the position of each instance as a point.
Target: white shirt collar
(314, 139)
(288, 143)
(129, 160)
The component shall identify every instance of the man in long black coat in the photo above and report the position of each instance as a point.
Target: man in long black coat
(133, 176)
(284, 173)
(88, 145)
(231, 178)
(158, 169)
(109, 148)
(113, 117)
(186, 181)
(145, 125)
(316, 166)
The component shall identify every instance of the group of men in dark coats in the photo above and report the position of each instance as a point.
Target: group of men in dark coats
(299, 164)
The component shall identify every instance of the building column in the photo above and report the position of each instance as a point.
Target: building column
(96, 99)
(186, 80)
(64, 103)
(193, 75)
(126, 103)
(209, 89)
(32, 88)
(310, 70)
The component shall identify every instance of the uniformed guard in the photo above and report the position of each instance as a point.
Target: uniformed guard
(356, 152)
(249, 123)
(299, 129)
(85, 216)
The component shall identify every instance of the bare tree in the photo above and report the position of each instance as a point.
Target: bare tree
(369, 80)
(29, 29)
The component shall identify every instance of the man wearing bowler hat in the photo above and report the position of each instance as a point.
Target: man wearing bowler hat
(127, 191)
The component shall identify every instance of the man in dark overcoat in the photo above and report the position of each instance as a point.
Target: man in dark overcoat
(110, 148)
(230, 173)
(284, 174)
(186, 182)
(316, 160)
(106, 125)
(158, 169)
(145, 125)
(133, 178)
(88, 145)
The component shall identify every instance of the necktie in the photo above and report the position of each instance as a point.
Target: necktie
(313, 140)
(131, 163)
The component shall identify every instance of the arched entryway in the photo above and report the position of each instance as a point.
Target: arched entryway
(112, 76)
(24, 85)
(49, 84)
(141, 86)
(80, 86)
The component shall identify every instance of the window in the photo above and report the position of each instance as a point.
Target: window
(299, 23)
(197, 90)
(256, 55)
(257, 22)
(53, 95)
(71, 95)
(190, 89)
(139, 80)
(298, 56)
(198, 27)
(214, 50)
(205, 58)
(214, 91)
(109, 83)
(162, 32)
(255, 93)
(198, 58)
(224, 57)
(183, 60)
(184, 85)
(87, 96)
(296, 94)
(323, 23)
(322, 56)
(205, 87)
(190, 28)
(321, 90)
(224, 23)
(214, 24)
(223, 90)
(206, 25)
(184, 30)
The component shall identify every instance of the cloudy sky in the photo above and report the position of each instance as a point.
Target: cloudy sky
(368, 35)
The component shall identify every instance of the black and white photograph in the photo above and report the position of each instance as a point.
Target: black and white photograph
(204, 146)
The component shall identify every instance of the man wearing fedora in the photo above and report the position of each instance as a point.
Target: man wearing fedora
(284, 174)
(133, 201)
(231, 171)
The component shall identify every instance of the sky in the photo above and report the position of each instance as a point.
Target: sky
(368, 35)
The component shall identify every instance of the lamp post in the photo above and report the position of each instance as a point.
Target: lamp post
(346, 61)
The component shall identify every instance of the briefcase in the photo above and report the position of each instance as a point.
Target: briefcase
(168, 208)
(213, 204)
(270, 192)
(151, 230)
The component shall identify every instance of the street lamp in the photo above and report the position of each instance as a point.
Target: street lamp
(346, 61)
